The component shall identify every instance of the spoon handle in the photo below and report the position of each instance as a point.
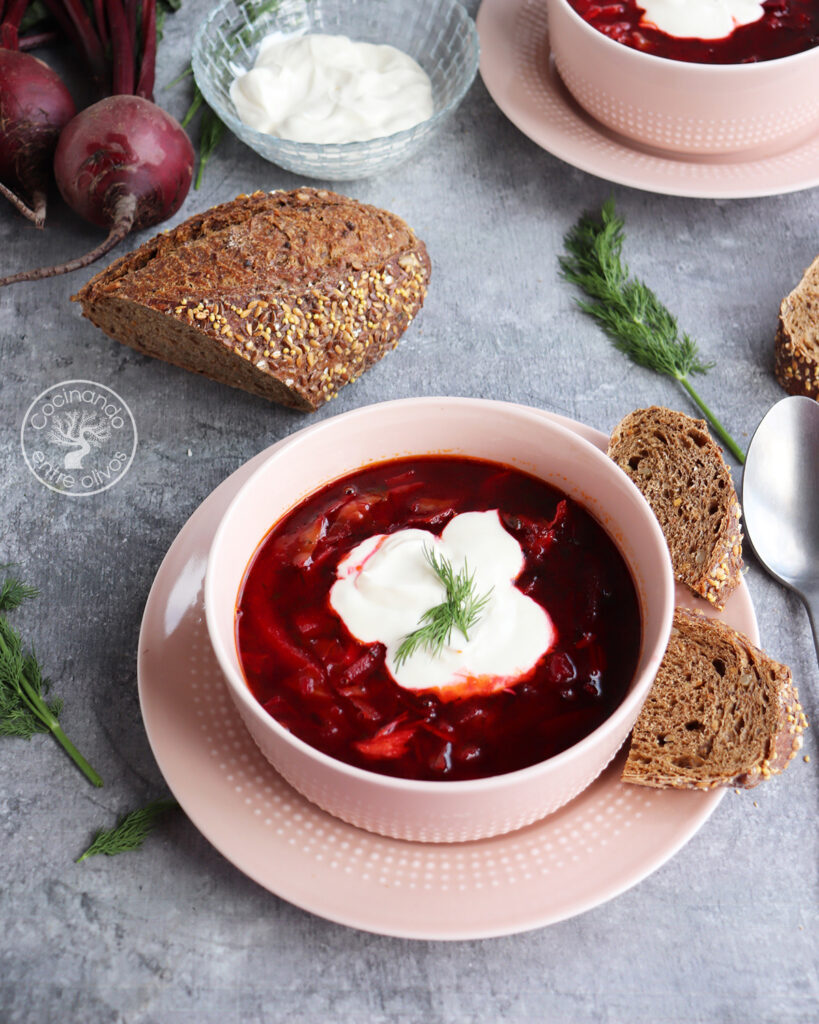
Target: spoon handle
(811, 598)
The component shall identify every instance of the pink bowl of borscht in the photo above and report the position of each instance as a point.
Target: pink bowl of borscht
(439, 617)
(735, 78)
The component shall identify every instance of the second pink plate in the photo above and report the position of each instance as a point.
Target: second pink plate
(517, 70)
(602, 843)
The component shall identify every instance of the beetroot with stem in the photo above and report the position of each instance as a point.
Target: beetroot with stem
(34, 108)
(123, 164)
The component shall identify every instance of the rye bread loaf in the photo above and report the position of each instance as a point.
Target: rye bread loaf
(720, 712)
(680, 471)
(288, 295)
(796, 349)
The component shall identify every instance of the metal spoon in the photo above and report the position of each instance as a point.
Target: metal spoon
(780, 498)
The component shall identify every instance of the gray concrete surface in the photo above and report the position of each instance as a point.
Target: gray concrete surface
(726, 931)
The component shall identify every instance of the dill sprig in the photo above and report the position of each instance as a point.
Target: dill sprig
(130, 832)
(628, 311)
(13, 592)
(460, 609)
(24, 709)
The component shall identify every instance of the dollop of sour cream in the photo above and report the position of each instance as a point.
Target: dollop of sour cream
(386, 584)
(700, 19)
(329, 89)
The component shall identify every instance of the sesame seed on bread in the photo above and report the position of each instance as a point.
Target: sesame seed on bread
(288, 295)
(720, 712)
(680, 472)
(796, 349)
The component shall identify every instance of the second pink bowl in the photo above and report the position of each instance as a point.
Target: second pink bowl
(699, 109)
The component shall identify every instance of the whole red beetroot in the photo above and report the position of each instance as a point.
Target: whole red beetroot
(34, 107)
(124, 146)
(123, 163)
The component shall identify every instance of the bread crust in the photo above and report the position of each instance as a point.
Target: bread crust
(288, 295)
(680, 471)
(741, 707)
(796, 346)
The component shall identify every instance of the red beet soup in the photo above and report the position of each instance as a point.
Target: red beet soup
(786, 27)
(335, 693)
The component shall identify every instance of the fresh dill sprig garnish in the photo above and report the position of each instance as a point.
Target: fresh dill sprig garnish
(24, 709)
(461, 609)
(130, 832)
(13, 592)
(17, 718)
(628, 311)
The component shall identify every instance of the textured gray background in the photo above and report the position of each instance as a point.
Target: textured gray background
(727, 931)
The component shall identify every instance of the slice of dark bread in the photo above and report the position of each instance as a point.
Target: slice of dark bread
(720, 712)
(680, 471)
(288, 295)
(796, 350)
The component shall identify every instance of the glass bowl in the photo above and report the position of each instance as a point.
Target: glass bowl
(438, 34)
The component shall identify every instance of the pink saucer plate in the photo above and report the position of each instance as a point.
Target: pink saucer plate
(603, 842)
(518, 72)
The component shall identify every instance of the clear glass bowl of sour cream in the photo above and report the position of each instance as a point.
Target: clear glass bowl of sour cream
(438, 35)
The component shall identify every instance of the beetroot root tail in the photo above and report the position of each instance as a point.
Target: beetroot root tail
(123, 222)
(35, 213)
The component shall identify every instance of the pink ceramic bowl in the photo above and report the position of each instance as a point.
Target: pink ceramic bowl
(698, 109)
(509, 434)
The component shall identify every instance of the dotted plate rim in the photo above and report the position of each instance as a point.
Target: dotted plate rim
(604, 842)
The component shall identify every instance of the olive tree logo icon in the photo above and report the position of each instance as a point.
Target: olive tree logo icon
(79, 430)
(78, 437)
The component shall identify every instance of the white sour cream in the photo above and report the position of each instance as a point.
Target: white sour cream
(329, 89)
(700, 19)
(386, 584)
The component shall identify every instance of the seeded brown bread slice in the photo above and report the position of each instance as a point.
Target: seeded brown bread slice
(288, 295)
(720, 712)
(796, 350)
(680, 471)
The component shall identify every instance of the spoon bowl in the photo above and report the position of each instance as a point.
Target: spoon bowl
(780, 498)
